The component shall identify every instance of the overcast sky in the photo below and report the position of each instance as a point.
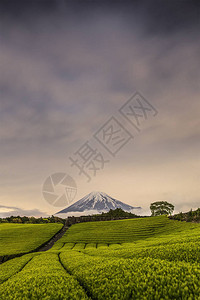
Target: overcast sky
(67, 67)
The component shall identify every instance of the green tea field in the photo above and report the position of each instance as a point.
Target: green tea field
(22, 238)
(147, 258)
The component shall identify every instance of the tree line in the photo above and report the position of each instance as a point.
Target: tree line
(157, 208)
(31, 220)
(113, 214)
(190, 216)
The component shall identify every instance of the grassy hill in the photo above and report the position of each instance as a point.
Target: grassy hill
(149, 258)
(21, 238)
(126, 231)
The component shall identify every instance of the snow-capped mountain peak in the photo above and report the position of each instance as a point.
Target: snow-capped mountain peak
(98, 202)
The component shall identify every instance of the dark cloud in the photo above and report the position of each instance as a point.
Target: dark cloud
(157, 16)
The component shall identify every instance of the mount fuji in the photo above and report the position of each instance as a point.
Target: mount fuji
(96, 202)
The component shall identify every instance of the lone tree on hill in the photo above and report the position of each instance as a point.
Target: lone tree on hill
(161, 208)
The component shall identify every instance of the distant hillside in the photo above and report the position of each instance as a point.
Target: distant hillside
(125, 231)
(190, 216)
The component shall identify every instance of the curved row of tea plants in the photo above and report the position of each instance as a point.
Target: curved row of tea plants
(13, 266)
(43, 277)
(188, 251)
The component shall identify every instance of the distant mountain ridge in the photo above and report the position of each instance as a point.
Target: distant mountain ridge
(97, 201)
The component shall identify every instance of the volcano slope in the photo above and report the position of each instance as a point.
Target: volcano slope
(147, 258)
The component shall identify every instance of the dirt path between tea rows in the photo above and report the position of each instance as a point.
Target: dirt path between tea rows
(52, 241)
